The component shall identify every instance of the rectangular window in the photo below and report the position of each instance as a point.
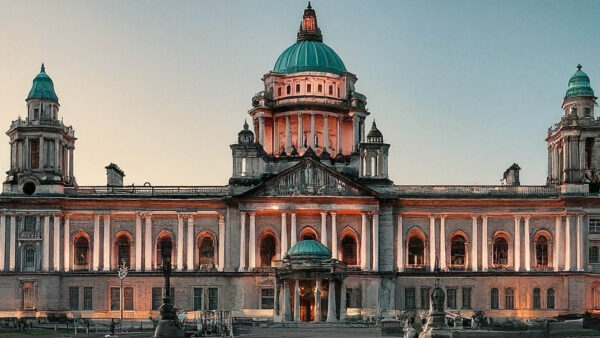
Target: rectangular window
(198, 299)
(87, 299)
(36, 113)
(409, 298)
(34, 150)
(452, 298)
(29, 223)
(213, 298)
(115, 299)
(74, 298)
(28, 300)
(330, 90)
(594, 225)
(267, 298)
(466, 298)
(297, 88)
(128, 299)
(353, 298)
(494, 299)
(308, 88)
(587, 112)
(156, 298)
(510, 299)
(424, 298)
(320, 88)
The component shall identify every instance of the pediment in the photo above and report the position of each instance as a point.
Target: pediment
(310, 178)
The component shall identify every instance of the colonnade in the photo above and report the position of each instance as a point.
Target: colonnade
(331, 315)
(52, 154)
(62, 243)
(562, 259)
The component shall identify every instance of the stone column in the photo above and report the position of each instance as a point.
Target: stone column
(288, 134)
(331, 313)
(365, 263)
(56, 244)
(11, 242)
(362, 131)
(517, 243)
(138, 242)
(287, 307)
(484, 243)
(474, 245)
(71, 162)
(96, 255)
(325, 131)
(67, 243)
(261, 130)
(339, 135)
(46, 245)
(399, 248)
(148, 242)
(252, 241)
(443, 248)
(324, 228)
(343, 301)
(56, 154)
(221, 242)
(334, 239)
(300, 132)
(243, 241)
(293, 231)
(579, 243)
(312, 131)
(297, 301)
(432, 243)
(180, 243)
(567, 243)
(190, 243)
(106, 261)
(41, 152)
(2, 241)
(318, 301)
(556, 258)
(284, 247)
(355, 129)
(376, 241)
(527, 243)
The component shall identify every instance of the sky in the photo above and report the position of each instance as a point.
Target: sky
(460, 89)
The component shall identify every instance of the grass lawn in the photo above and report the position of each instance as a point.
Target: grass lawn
(573, 332)
(36, 333)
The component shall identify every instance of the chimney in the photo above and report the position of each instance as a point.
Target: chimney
(511, 175)
(114, 175)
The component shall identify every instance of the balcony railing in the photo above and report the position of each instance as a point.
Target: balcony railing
(28, 235)
(211, 191)
(473, 191)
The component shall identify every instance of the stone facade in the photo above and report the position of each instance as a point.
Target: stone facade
(311, 173)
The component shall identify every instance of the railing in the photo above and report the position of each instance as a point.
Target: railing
(148, 191)
(475, 190)
(30, 235)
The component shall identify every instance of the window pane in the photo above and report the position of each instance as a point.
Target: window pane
(213, 300)
(510, 301)
(594, 225)
(74, 298)
(424, 298)
(494, 299)
(267, 298)
(87, 298)
(156, 298)
(409, 296)
(115, 299)
(550, 299)
(466, 298)
(536, 298)
(197, 299)
(128, 299)
(452, 298)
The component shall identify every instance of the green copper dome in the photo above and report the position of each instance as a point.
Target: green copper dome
(579, 85)
(43, 87)
(309, 55)
(309, 248)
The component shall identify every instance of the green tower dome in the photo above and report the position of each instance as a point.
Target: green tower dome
(579, 85)
(309, 55)
(43, 87)
(311, 249)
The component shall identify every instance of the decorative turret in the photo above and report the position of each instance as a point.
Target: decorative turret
(579, 99)
(248, 162)
(246, 136)
(374, 155)
(309, 30)
(41, 145)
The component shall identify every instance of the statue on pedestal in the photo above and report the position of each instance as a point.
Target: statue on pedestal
(168, 324)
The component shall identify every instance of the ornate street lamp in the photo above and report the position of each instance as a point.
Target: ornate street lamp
(122, 274)
(168, 324)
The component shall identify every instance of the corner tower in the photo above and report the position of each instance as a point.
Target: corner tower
(573, 151)
(41, 156)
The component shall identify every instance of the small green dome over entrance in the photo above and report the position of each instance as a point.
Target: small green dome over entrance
(309, 55)
(310, 249)
(579, 85)
(43, 87)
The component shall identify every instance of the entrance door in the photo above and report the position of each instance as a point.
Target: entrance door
(307, 301)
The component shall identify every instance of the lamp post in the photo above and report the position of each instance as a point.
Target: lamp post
(168, 324)
(122, 274)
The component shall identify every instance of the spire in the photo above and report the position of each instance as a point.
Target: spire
(43, 69)
(309, 30)
(245, 125)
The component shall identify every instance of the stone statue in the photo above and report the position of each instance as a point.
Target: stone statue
(168, 325)
(437, 297)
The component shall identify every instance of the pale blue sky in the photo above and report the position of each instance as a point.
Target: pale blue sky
(460, 89)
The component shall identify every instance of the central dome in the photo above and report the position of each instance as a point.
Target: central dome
(309, 55)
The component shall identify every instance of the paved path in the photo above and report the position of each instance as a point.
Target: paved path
(312, 332)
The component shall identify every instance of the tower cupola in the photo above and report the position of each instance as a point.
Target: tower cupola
(42, 102)
(309, 30)
(374, 155)
(374, 135)
(579, 99)
(579, 85)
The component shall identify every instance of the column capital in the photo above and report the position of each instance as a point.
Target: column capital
(333, 213)
(474, 217)
(323, 213)
(252, 213)
(221, 217)
(527, 217)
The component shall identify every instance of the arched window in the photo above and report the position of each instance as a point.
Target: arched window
(29, 257)
(267, 250)
(308, 234)
(288, 90)
(536, 299)
(510, 299)
(494, 299)
(541, 251)
(164, 240)
(82, 249)
(123, 250)
(416, 250)
(500, 252)
(550, 299)
(206, 251)
(458, 251)
(349, 250)
(594, 255)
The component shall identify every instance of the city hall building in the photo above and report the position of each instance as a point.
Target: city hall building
(309, 226)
